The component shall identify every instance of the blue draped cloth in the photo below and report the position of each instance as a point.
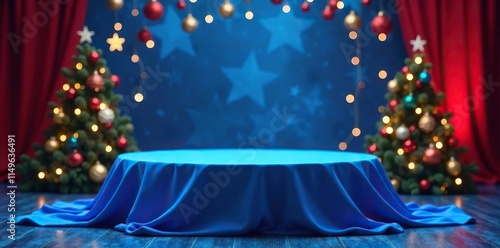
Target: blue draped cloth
(242, 191)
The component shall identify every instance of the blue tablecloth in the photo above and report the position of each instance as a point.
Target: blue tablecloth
(235, 192)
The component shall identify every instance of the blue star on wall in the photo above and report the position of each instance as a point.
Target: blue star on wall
(248, 80)
(313, 101)
(295, 91)
(286, 29)
(171, 35)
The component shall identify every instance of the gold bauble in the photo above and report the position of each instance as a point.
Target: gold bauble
(448, 129)
(58, 118)
(226, 9)
(189, 24)
(114, 4)
(453, 167)
(395, 183)
(98, 172)
(352, 21)
(51, 145)
(427, 123)
(392, 86)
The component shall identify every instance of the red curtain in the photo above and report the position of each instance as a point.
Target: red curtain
(37, 39)
(460, 37)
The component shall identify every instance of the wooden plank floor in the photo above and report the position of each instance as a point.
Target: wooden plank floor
(484, 207)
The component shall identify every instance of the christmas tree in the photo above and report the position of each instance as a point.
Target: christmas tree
(87, 134)
(415, 142)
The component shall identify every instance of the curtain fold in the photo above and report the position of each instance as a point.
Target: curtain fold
(38, 38)
(461, 37)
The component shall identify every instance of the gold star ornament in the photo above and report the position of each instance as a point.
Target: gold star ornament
(115, 42)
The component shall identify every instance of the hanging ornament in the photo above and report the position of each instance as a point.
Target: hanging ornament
(72, 143)
(226, 9)
(333, 4)
(121, 142)
(405, 70)
(352, 21)
(181, 4)
(106, 115)
(51, 145)
(392, 86)
(412, 128)
(366, 2)
(395, 183)
(410, 101)
(144, 35)
(452, 142)
(153, 10)
(189, 24)
(427, 123)
(383, 132)
(453, 167)
(98, 172)
(402, 132)
(71, 94)
(448, 129)
(381, 24)
(392, 104)
(277, 1)
(432, 156)
(108, 125)
(93, 57)
(95, 81)
(305, 6)
(372, 148)
(424, 185)
(115, 79)
(418, 84)
(94, 103)
(409, 146)
(58, 118)
(114, 4)
(75, 159)
(424, 77)
(327, 13)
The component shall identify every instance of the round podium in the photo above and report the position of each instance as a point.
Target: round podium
(245, 191)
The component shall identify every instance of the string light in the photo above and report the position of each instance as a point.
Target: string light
(342, 146)
(102, 70)
(193, 1)
(134, 58)
(439, 145)
(418, 60)
(118, 26)
(401, 151)
(59, 171)
(209, 18)
(310, 1)
(138, 97)
(94, 128)
(411, 165)
(356, 132)
(62, 138)
(349, 98)
(353, 35)
(77, 86)
(381, 108)
(248, 15)
(56, 111)
(76, 135)
(135, 12)
(409, 77)
(382, 37)
(386, 119)
(286, 8)
(41, 175)
(79, 66)
(435, 138)
(340, 5)
(458, 181)
(150, 44)
(78, 111)
(382, 74)
(389, 130)
(102, 106)
(109, 148)
(444, 122)
(65, 87)
(355, 60)
(418, 111)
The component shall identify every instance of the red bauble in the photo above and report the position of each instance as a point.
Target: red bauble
(115, 79)
(424, 185)
(181, 4)
(412, 128)
(71, 94)
(432, 156)
(418, 84)
(409, 146)
(383, 132)
(75, 159)
(276, 1)
(333, 4)
(153, 10)
(121, 142)
(372, 148)
(366, 2)
(381, 24)
(305, 6)
(95, 81)
(94, 103)
(392, 104)
(405, 70)
(108, 125)
(328, 13)
(453, 142)
(93, 57)
(144, 35)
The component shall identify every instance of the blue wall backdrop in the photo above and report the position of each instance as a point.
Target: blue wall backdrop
(278, 80)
